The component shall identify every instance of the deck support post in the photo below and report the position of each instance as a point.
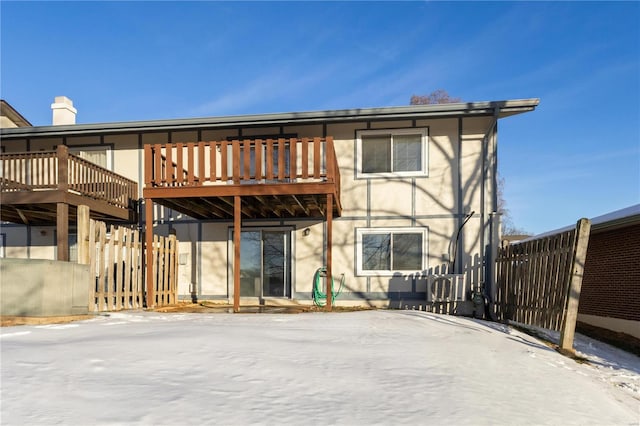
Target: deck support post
(148, 251)
(237, 212)
(329, 279)
(83, 235)
(62, 209)
(62, 228)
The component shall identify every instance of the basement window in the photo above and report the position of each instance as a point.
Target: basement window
(386, 251)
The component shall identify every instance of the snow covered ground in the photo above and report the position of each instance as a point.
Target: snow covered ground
(370, 367)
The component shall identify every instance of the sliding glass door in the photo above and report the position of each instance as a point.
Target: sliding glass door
(265, 263)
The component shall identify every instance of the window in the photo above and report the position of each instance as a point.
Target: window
(263, 155)
(97, 154)
(73, 247)
(384, 153)
(385, 251)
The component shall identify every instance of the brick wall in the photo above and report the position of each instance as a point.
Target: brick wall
(611, 282)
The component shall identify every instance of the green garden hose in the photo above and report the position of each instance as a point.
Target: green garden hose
(320, 298)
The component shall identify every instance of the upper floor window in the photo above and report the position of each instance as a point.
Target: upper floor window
(274, 160)
(385, 153)
(96, 154)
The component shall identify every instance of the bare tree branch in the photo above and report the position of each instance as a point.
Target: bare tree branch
(439, 96)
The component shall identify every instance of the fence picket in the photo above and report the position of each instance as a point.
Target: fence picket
(136, 280)
(92, 266)
(110, 264)
(126, 269)
(118, 268)
(102, 280)
(531, 290)
(174, 275)
(159, 288)
(167, 266)
(155, 269)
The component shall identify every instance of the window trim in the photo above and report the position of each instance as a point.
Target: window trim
(423, 131)
(423, 230)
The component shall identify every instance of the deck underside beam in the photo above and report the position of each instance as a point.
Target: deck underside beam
(40, 207)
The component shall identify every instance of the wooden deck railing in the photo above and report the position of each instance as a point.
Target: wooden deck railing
(246, 161)
(59, 170)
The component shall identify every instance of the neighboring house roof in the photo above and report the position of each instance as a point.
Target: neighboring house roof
(511, 239)
(606, 222)
(504, 108)
(617, 219)
(14, 117)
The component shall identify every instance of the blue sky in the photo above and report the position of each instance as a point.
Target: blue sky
(577, 155)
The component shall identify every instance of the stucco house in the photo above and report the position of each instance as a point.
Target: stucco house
(385, 198)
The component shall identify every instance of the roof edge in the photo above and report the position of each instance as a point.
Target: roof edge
(14, 115)
(506, 108)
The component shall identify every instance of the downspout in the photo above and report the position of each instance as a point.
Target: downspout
(460, 214)
(494, 224)
(486, 257)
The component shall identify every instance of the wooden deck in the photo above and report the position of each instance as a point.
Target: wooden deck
(244, 179)
(32, 184)
(280, 178)
(46, 188)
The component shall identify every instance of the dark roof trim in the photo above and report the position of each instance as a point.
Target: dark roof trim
(507, 108)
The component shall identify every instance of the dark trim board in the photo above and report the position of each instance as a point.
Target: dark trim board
(44, 202)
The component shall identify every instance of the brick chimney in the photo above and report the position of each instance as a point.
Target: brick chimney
(63, 111)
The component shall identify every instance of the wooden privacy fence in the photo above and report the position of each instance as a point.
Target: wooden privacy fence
(116, 258)
(538, 281)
